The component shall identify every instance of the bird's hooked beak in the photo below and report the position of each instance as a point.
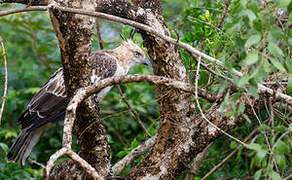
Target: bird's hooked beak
(144, 61)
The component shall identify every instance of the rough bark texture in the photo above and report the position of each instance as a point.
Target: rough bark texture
(75, 35)
(182, 133)
(174, 105)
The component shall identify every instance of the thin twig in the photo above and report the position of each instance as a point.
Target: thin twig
(288, 177)
(204, 22)
(201, 111)
(133, 111)
(224, 13)
(6, 79)
(98, 33)
(37, 163)
(25, 9)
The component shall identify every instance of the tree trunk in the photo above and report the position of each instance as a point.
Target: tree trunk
(75, 33)
(182, 134)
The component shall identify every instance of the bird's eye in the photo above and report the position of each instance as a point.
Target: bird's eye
(137, 54)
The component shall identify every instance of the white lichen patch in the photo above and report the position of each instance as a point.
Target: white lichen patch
(211, 129)
(89, 5)
(153, 21)
(163, 171)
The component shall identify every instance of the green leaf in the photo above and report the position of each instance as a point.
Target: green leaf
(4, 147)
(278, 65)
(290, 128)
(281, 147)
(290, 40)
(261, 155)
(251, 58)
(275, 50)
(251, 16)
(276, 33)
(274, 175)
(253, 91)
(233, 145)
(267, 66)
(243, 81)
(289, 88)
(288, 65)
(280, 159)
(254, 39)
(290, 17)
(254, 146)
(247, 118)
(122, 153)
(258, 174)
(283, 3)
(263, 128)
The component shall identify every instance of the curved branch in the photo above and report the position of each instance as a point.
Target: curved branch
(25, 9)
(83, 93)
(6, 79)
(193, 51)
(68, 151)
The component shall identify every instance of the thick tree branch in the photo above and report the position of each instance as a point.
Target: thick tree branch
(85, 92)
(193, 51)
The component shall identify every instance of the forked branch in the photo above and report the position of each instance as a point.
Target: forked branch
(193, 51)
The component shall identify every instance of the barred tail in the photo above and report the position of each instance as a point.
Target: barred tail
(23, 145)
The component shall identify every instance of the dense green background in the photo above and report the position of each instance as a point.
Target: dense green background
(251, 36)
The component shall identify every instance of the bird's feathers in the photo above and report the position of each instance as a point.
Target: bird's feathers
(49, 104)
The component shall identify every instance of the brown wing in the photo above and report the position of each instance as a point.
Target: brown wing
(48, 105)
(103, 64)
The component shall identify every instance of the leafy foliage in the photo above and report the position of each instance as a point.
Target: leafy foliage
(253, 37)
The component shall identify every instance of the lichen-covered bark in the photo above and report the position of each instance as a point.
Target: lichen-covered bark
(175, 121)
(182, 133)
(75, 33)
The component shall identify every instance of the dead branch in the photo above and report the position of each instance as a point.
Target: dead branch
(135, 153)
(6, 78)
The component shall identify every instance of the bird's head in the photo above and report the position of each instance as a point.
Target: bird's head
(130, 54)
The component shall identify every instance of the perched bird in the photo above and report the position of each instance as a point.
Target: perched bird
(48, 106)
